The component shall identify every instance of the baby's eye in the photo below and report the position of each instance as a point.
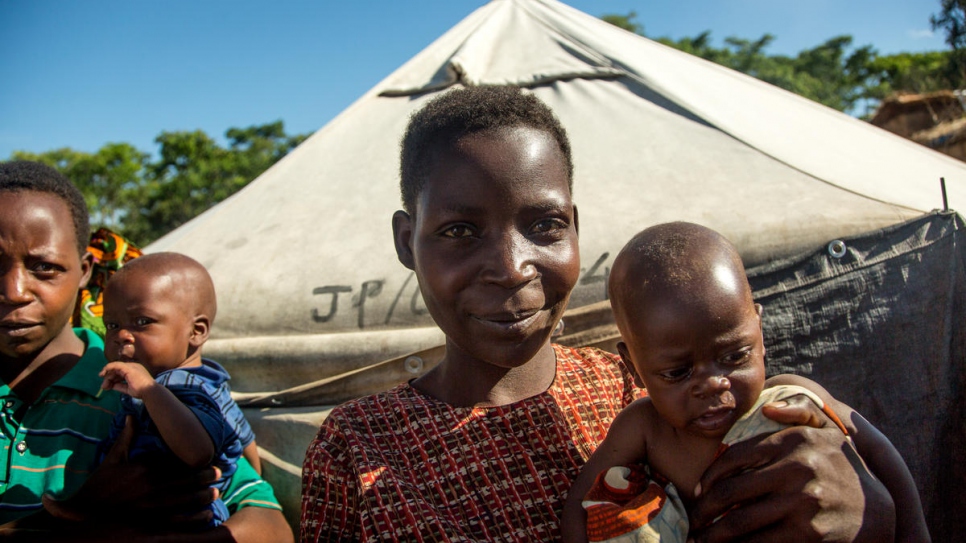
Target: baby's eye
(458, 231)
(676, 374)
(110, 325)
(736, 358)
(142, 321)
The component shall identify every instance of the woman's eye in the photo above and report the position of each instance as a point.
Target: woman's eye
(458, 231)
(45, 267)
(548, 225)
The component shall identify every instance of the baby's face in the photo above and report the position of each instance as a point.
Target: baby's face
(147, 321)
(702, 360)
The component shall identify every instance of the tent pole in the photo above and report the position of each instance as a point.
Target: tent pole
(942, 183)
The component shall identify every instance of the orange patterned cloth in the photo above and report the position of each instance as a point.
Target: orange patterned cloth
(402, 466)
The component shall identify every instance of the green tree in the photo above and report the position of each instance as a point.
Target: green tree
(914, 72)
(626, 22)
(109, 179)
(144, 199)
(833, 73)
(952, 20)
(194, 173)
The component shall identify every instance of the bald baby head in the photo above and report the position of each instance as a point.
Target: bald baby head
(679, 263)
(180, 276)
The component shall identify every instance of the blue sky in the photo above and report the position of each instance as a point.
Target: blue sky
(83, 73)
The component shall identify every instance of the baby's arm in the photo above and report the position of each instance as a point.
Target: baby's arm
(624, 445)
(179, 426)
(880, 455)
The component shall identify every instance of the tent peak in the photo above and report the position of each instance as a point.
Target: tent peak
(505, 42)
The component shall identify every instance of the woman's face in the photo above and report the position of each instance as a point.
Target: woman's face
(40, 274)
(494, 244)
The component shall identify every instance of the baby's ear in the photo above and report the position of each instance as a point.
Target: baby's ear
(402, 233)
(626, 357)
(200, 330)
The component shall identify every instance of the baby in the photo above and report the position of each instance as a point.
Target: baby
(692, 337)
(158, 311)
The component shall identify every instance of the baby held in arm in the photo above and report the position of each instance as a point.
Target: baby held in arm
(692, 336)
(158, 310)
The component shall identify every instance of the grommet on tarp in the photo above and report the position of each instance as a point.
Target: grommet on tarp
(836, 248)
(413, 364)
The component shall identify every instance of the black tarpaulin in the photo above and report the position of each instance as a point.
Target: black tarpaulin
(879, 324)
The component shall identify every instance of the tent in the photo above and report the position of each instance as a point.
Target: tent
(315, 309)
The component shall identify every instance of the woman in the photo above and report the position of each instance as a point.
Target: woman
(485, 446)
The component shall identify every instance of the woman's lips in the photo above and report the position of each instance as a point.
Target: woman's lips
(509, 322)
(18, 329)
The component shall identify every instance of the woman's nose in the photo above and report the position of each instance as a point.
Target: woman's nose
(13, 287)
(510, 263)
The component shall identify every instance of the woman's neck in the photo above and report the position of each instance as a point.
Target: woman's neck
(464, 381)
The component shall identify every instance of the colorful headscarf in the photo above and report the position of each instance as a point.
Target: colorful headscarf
(111, 251)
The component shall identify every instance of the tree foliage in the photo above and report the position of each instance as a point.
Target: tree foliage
(951, 19)
(108, 179)
(144, 199)
(834, 73)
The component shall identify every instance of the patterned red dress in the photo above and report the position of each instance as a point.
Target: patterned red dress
(402, 466)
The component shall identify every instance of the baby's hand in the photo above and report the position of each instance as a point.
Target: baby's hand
(128, 378)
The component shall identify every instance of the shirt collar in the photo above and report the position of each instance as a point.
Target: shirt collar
(84, 375)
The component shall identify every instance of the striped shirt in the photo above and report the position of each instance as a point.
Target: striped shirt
(402, 466)
(54, 447)
(205, 392)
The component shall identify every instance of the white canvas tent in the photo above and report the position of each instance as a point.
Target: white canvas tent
(308, 284)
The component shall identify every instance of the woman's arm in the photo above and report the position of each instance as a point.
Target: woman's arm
(258, 525)
(882, 458)
(798, 484)
(120, 493)
(330, 493)
(250, 525)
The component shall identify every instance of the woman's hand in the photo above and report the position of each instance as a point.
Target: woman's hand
(124, 492)
(799, 484)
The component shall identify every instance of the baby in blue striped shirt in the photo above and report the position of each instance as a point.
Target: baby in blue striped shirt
(158, 312)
